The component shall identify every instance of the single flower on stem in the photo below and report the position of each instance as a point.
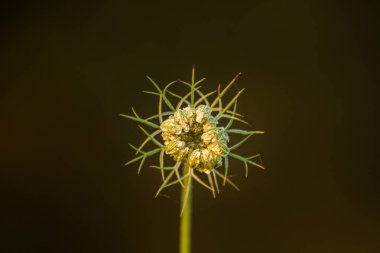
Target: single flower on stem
(197, 142)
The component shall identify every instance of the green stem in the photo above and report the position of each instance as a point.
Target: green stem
(192, 86)
(185, 225)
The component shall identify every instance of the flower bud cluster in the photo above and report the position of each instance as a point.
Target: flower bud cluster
(191, 135)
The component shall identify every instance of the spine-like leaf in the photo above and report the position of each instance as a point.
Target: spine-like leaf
(231, 102)
(256, 164)
(243, 132)
(240, 142)
(233, 118)
(161, 93)
(151, 92)
(161, 160)
(227, 179)
(211, 184)
(199, 81)
(176, 168)
(141, 164)
(165, 182)
(226, 166)
(179, 97)
(204, 98)
(140, 120)
(201, 182)
(134, 159)
(216, 181)
(151, 136)
(148, 139)
(225, 90)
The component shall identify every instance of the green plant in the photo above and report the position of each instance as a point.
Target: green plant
(194, 139)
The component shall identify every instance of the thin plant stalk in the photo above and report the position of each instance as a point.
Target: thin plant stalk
(186, 196)
(185, 220)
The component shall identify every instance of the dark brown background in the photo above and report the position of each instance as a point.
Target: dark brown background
(69, 68)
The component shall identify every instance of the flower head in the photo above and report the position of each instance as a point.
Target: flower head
(191, 135)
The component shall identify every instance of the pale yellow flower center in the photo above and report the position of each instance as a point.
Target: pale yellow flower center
(191, 136)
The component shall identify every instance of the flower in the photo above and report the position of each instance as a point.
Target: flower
(191, 136)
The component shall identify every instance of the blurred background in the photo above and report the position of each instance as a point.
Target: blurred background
(68, 68)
